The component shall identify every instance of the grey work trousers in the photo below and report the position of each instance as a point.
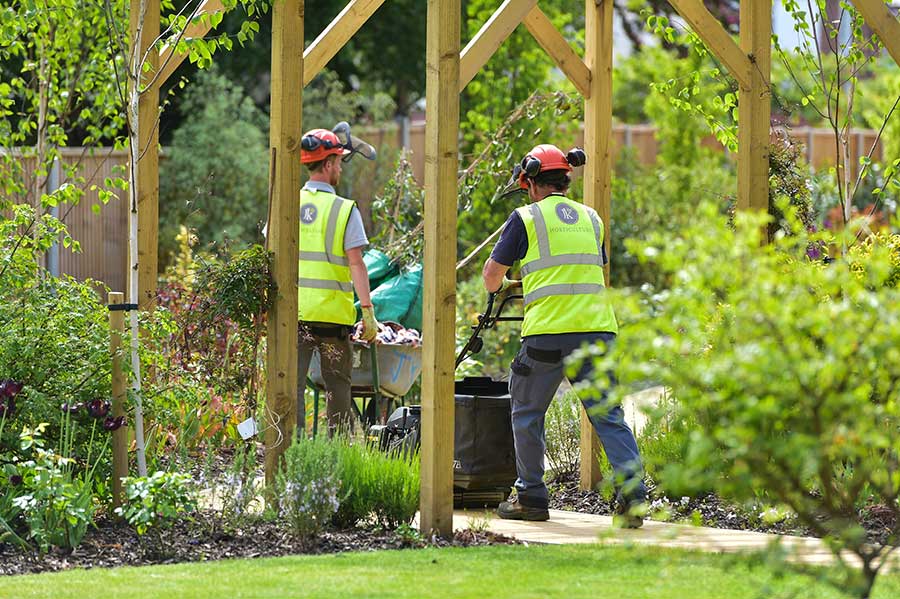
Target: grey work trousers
(535, 377)
(332, 342)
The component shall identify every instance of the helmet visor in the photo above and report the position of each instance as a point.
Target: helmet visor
(514, 185)
(353, 144)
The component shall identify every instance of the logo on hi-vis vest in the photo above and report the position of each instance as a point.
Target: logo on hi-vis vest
(308, 213)
(567, 214)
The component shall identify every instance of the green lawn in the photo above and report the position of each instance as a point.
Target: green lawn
(571, 571)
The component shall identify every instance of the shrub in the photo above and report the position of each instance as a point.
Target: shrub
(563, 433)
(306, 490)
(357, 475)
(205, 341)
(658, 199)
(397, 495)
(788, 179)
(860, 259)
(238, 491)
(213, 178)
(789, 367)
(154, 502)
(54, 338)
(55, 505)
(376, 484)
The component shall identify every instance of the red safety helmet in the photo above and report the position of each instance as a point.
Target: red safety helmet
(547, 157)
(318, 144)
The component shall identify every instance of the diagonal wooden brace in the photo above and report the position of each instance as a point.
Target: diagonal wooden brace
(336, 35)
(716, 38)
(885, 25)
(489, 38)
(556, 46)
(169, 58)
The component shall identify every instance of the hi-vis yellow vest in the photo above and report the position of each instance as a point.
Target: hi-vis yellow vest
(325, 291)
(562, 272)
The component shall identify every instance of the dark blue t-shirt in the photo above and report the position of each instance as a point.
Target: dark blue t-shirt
(513, 242)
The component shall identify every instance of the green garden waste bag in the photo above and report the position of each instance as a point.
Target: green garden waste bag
(380, 267)
(400, 299)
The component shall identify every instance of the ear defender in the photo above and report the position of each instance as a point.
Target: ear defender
(309, 143)
(576, 157)
(531, 166)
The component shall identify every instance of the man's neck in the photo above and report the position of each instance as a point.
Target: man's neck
(548, 194)
(319, 178)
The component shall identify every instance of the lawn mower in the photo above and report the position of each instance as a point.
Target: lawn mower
(484, 458)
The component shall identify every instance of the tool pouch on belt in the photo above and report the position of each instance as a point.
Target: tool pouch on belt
(519, 368)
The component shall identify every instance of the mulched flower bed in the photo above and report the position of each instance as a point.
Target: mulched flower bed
(201, 538)
(713, 511)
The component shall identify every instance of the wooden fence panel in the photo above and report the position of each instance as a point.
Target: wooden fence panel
(103, 237)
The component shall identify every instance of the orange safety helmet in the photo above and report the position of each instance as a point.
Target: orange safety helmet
(318, 144)
(547, 157)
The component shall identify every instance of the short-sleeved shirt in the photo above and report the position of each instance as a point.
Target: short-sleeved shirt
(355, 235)
(513, 242)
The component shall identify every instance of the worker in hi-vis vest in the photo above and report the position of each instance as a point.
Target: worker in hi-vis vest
(332, 239)
(558, 243)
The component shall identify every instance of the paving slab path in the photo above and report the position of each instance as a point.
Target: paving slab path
(566, 527)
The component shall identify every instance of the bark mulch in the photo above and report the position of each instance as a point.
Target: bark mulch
(202, 538)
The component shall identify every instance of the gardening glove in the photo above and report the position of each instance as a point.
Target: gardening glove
(507, 285)
(370, 325)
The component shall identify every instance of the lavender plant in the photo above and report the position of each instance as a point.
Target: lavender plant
(238, 489)
(306, 493)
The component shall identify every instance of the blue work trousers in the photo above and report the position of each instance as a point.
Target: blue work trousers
(537, 371)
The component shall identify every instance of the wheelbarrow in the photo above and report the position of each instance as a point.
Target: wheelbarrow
(381, 375)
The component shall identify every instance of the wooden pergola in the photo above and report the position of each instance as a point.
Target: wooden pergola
(449, 70)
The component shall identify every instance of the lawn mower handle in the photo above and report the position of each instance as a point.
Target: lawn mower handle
(486, 320)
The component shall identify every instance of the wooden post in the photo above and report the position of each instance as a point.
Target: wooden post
(754, 108)
(120, 436)
(598, 57)
(148, 164)
(284, 227)
(439, 334)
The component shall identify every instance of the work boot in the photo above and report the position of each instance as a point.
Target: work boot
(629, 515)
(514, 510)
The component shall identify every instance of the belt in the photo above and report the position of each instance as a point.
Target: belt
(337, 331)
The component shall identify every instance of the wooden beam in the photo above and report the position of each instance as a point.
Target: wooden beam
(598, 55)
(336, 35)
(285, 131)
(169, 58)
(716, 38)
(885, 25)
(439, 327)
(754, 108)
(556, 46)
(148, 163)
(495, 30)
